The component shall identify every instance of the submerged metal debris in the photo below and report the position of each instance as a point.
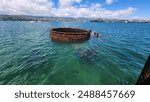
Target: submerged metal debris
(87, 55)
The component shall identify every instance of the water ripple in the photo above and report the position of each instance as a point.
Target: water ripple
(28, 56)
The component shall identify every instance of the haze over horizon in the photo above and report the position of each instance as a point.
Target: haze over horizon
(77, 8)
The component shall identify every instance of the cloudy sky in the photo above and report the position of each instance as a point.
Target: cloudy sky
(78, 8)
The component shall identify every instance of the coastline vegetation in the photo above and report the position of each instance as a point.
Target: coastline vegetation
(67, 19)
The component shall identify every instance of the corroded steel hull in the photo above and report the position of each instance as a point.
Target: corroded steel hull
(69, 34)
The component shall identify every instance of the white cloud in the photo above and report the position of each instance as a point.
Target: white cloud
(65, 8)
(66, 3)
(110, 1)
(119, 13)
(33, 7)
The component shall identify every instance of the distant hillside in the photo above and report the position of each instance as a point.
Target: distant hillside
(66, 19)
(22, 18)
(37, 18)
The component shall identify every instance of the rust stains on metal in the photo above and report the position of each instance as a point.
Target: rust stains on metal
(69, 34)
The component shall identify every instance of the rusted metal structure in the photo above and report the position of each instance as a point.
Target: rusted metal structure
(144, 78)
(69, 34)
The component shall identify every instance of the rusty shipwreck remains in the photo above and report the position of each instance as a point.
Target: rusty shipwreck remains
(69, 34)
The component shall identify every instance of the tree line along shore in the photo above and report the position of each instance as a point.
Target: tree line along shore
(67, 19)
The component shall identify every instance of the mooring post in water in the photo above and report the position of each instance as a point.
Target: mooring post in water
(144, 78)
(96, 34)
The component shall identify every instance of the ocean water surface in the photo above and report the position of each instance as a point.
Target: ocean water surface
(29, 56)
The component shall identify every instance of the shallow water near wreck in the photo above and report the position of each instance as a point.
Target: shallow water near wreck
(28, 56)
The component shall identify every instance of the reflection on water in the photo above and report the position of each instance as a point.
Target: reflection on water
(28, 56)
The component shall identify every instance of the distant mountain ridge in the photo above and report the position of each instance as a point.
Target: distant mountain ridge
(66, 19)
(36, 18)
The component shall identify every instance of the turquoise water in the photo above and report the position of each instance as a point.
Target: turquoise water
(28, 56)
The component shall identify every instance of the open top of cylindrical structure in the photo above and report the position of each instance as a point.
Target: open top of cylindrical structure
(69, 34)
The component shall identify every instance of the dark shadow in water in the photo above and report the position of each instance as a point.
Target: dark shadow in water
(86, 55)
